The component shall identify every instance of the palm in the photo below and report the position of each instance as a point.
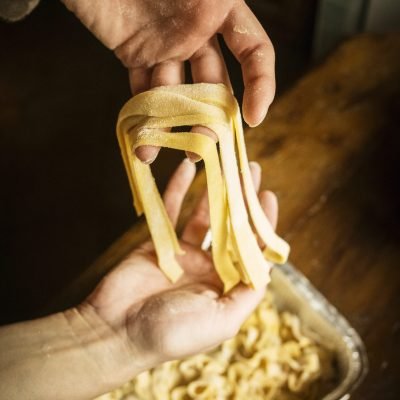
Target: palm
(172, 316)
(130, 24)
(172, 320)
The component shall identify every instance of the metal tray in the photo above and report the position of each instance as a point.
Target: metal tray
(320, 320)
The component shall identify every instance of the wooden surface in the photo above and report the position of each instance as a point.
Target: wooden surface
(330, 150)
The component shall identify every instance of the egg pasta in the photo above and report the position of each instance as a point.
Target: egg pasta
(236, 253)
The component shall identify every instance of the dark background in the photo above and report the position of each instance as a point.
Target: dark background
(64, 193)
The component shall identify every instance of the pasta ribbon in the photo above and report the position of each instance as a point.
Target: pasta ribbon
(236, 254)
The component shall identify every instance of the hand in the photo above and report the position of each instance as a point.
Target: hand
(159, 320)
(134, 320)
(154, 38)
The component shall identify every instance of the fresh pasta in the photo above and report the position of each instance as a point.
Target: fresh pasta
(236, 253)
(269, 359)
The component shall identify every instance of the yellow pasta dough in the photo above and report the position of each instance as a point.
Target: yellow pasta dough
(236, 254)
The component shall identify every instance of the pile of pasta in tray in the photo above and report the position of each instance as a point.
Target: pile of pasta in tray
(269, 359)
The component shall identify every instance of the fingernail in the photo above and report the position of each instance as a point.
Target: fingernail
(188, 161)
(188, 168)
(260, 120)
(150, 160)
(194, 158)
(254, 165)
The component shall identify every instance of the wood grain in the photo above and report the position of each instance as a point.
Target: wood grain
(329, 149)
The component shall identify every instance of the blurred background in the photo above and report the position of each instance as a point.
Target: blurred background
(64, 193)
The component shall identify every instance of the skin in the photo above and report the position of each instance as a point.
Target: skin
(153, 39)
(135, 318)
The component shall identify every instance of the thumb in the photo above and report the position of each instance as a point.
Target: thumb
(236, 307)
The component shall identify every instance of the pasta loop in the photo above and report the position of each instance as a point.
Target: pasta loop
(236, 254)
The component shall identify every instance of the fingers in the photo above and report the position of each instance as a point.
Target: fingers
(139, 79)
(198, 224)
(176, 189)
(248, 41)
(193, 157)
(208, 65)
(256, 172)
(169, 73)
(236, 307)
(268, 199)
(269, 204)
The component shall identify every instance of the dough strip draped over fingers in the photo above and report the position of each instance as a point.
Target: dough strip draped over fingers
(235, 250)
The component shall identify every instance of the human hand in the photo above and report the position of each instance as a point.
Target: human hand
(157, 320)
(154, 38)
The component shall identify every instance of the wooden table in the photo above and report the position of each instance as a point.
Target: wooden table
(330, 150)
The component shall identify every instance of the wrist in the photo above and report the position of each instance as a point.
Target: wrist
(69, 355)
(107, 350)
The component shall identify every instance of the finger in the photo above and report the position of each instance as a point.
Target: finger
(256, 172)
(269, 204)
(251, 46)
(139, 79)
(168, 73)
(237, 305)
(199, 268)
(164, 74)
(198, 224)
(177, 188)
(208, 65)
(193, 157)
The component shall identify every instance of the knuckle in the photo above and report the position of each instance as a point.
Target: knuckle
(264, 51)
(132, 58)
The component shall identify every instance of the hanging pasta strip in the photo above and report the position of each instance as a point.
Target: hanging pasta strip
(277, 250)
(206, 148)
